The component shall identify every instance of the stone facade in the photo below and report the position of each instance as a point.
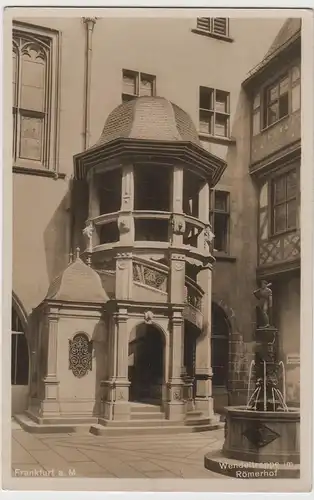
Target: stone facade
(145, 274)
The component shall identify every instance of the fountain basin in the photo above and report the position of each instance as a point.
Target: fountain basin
(258, 444)
(262, 436)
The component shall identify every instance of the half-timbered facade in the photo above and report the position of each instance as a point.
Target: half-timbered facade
(274, 90)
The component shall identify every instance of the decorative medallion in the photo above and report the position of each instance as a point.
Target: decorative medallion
(122, 265)
(178, 266)
(260, 435)
(80, 355)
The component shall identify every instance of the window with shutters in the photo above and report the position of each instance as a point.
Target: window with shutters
(135, 84)
(284, 200)
(214, 112)
(34, 106)
(217, 27)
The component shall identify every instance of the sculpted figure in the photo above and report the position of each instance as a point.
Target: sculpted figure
(264, 295)
(208, 236)
(88, 233)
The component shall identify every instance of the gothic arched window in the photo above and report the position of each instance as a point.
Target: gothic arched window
(19, 351)
(34, 102)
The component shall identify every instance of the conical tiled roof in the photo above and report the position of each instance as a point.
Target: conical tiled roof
(149, 118)
(78, 283)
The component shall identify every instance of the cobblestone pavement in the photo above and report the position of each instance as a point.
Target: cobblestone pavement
(86, 455)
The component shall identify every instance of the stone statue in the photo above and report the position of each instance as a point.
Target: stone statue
(264, 295)
(88, 233)
(148, 317)
(208, 236)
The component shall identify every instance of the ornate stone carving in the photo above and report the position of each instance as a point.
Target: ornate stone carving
(122, 264)
(208, 236)
(88, 233)
(148, 317)
(264, 295)
(193, 298)
(260, 435)
(179, 265)
(150, 277)
(80, 355)
(177, 396)
(177, 222)
(124, 255)
(124, 224)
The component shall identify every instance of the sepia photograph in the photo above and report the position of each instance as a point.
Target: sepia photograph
(155, 164)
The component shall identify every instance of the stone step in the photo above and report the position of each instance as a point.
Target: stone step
(28, 425)
(143, 407)
(74, 419)
(147, 415)
(194, 413)
(139, 423)
(99, 430)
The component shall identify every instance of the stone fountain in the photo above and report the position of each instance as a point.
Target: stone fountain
(262, 439)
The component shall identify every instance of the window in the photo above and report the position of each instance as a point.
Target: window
(214, 112)
(284, 202)
(214, 25)
(34, 99)
(19, 352)
(219, 219)
(137, 84)
(277, 100)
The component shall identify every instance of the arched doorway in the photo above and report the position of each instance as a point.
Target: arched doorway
(19, 360)
(146, 364)
(220, 356)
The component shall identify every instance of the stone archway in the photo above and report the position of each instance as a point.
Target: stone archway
(20, 358)
(146, 370)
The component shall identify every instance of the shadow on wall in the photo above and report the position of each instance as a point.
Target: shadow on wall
(57, 239)
(243, 218)
(100, 360)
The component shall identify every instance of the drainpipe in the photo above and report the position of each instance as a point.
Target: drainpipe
(89, 24)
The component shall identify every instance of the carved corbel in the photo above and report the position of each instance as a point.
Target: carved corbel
(177, 222)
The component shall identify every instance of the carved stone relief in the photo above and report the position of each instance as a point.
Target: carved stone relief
(80, 355)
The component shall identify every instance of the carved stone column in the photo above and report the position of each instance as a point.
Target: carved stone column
(203, 211)
(121, 406)
(203, 369)
(175, 405)
(124, 276)
(126, 221)
(177, 220)
(93, 205)
(50, 404)
(177, 278)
